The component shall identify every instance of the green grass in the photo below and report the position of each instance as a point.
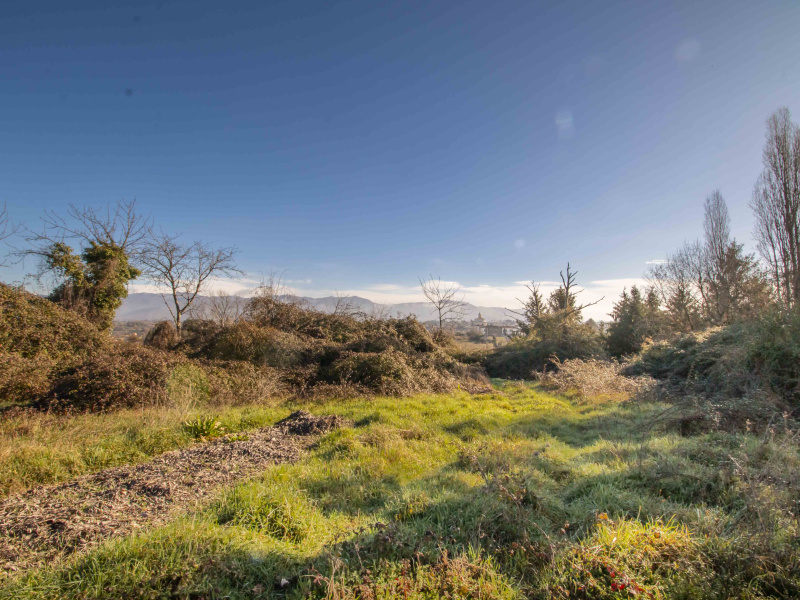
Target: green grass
(509, 495)
(45, 448)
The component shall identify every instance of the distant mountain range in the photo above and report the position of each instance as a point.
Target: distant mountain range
(151, 307)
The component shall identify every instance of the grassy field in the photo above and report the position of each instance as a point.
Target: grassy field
(513, 494)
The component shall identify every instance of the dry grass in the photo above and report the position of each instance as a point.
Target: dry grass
(593, 377)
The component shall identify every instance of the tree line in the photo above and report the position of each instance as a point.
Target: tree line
(713, 281)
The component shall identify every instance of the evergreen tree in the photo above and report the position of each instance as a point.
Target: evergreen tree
(636, 318)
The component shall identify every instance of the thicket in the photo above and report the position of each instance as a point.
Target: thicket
(319, 352)
(52, 357)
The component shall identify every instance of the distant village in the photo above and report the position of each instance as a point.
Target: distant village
(481, 330)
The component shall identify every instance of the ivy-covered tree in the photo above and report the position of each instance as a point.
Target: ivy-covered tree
(92, 280)
(93, 283)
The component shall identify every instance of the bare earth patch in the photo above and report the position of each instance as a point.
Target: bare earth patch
(50, 522)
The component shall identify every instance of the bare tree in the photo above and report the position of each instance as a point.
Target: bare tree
(117, 224)
(776, 204)
(673, 281)
(379, 312)
(710, 281)
(184, 269)
(218, 306)
(447, 299)
(7, 229)
(344, 305)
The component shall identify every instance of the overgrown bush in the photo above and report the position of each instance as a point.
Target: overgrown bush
(741, 376)
(126, 375)
(56, 359)
(312, 351)
(732, 361)
(523, 358)
(592, 378)
(34, 327)
(162, 336)
(260, 345)
(37, 338)
(238, 382)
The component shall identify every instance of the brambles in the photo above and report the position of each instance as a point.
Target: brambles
(123, 375)
(162, 336)
(593, 378)
(523, 358)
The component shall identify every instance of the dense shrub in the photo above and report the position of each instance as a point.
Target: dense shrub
(522, 358)
(24, 379)
(736, 377)
(264, 346)
(57, 360)
(774, 353)
(162, 336)
(126, 375)
(312, 351)
(295, 318)
(31, 326)
(38, 338)
(238, 382)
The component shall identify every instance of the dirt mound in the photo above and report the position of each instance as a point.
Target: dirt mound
(49, 522)
(302, 422)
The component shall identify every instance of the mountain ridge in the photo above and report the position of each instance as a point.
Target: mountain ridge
(148, 306)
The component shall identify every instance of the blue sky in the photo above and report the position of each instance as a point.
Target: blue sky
(360, 145)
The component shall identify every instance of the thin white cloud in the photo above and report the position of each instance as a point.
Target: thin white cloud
(687, 51)
(519, 244)
(234, 287)
(565, 124)
(657, 261)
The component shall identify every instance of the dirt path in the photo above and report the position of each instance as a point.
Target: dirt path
(48, 522)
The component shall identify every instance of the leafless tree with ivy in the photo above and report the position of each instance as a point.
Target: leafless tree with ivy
(92, 278)
(184, 269)
(447, 299)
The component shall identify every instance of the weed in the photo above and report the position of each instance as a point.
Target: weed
(203, 428)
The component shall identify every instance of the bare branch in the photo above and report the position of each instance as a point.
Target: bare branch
(447, 299)
(344, 306)
(118, 224)
(184, 269)
(776, 205)
(7, 228)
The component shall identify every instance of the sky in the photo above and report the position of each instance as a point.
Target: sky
(358, 146)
